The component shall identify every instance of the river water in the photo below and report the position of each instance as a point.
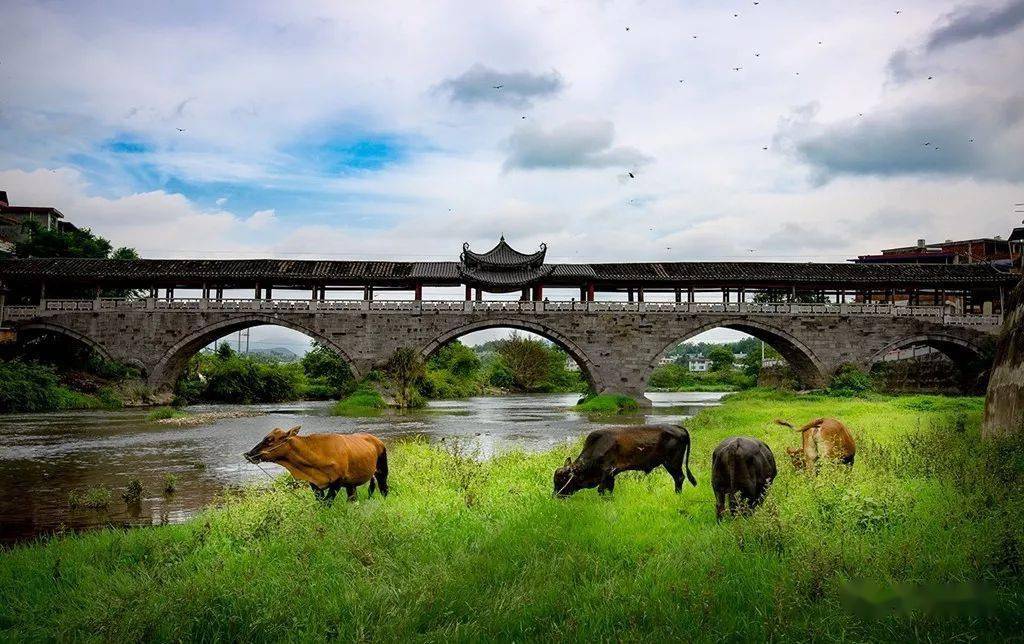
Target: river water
(44, 457)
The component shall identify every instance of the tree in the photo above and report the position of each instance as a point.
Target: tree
(526, 359)
(325, 365)
(457, 358)
(224, 350)
(721, 358)
(405, 368)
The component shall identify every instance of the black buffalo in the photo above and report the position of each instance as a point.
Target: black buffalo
(742, 469)
(606, 452)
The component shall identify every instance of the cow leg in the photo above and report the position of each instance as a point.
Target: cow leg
(332, 491)
(607, 483)
(719, 505)
(675, 470)
(373, 485)
(317, 492)
(351, 489)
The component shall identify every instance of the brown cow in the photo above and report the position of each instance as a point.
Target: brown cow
(327, 462)
(825, 438)
(606, 452)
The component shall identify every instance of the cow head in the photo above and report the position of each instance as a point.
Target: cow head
(798, 457)
(275, 439)
(567, 480)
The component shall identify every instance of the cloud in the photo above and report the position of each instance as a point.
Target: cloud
(261, 219)
(977, 21)
(480, 84)
(795, 236)
(578, 144)
(967, 138)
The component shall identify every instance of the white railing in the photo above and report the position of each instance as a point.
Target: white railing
(105, 305)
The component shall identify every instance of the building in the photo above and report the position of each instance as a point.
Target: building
(699, 363)
(666, 360)
(14, 218)
(965, 251)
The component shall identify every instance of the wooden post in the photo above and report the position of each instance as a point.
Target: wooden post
(259, 292)
(525, 295)
(220, 293)
(679, 295)
(590, 292)
(583, 293)
(630, 291)
(469, 292)
(725, 295)
(323, 293)
(42, 291)
(479, 294)
(418, 292)
(538, 292)
(270, 292)
(640, 294)
(691, 297)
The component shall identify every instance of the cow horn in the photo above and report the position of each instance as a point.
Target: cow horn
(294, 430)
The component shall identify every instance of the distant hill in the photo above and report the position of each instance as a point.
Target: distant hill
(275, 354)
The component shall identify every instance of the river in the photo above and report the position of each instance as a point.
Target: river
(44, 457)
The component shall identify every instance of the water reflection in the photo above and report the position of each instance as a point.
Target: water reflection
(43, 457)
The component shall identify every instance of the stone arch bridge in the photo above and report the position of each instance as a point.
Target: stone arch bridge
(616, 344)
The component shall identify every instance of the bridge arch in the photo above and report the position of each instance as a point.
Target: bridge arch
(968, 357)
(805, 364)
(170, 365)
(563, 342)
(49, 327)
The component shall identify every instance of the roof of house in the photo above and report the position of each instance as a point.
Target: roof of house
(24, 210)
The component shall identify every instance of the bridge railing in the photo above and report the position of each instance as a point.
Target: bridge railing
(110, 305)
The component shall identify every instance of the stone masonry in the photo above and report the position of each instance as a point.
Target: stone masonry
(616, 350)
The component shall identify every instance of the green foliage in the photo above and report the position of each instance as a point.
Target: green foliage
(170, 483)
(607, 404)
(30, 387)
(132, 494)
(674, 377)
(364, 400)
(526, 359)
(80, 242)
(326, 369)
(233, 378)
(721, 358)
(405, 368)
(94, 498)
(456, 358)
(849, 380)
(163, 413)
(465, 549)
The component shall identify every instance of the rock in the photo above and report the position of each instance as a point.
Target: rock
(1004, 401)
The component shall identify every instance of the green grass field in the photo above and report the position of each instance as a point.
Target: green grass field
(923, 540)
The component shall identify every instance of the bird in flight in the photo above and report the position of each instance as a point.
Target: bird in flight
(929, 78)
(757, 55)
(498, 86)
(736, 69)
(971, 140)
(764, 147)
(927, 143)
(898, 12)
(180, 129)
(631, 175)
(627, 28)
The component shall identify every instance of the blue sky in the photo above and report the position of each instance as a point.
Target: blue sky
(778, 131)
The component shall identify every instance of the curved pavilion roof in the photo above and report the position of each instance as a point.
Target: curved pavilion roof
(503, 268)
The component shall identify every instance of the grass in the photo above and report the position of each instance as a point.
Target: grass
(607, 404)
(364, 400)
(164, 413)
(922, 540)
(93, 498)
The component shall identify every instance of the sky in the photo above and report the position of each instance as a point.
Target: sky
(775, 130)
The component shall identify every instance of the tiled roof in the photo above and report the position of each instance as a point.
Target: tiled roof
(699, 274)
(502, 256)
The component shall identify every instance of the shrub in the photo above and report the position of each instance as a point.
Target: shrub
(170, 483)
(133, 493)
(607, 403)
(162, 413)
(849, 380)
(93, 498)
(365, 399)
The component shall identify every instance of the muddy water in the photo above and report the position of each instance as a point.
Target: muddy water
(44, 457)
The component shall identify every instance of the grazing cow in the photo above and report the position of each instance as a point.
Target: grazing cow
(742, 469)
(327, 462)
(606, 452)
(824, 438)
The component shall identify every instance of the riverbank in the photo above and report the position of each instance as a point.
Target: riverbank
(922, 540)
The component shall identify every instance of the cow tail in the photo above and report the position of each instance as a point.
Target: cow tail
(686, 459)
